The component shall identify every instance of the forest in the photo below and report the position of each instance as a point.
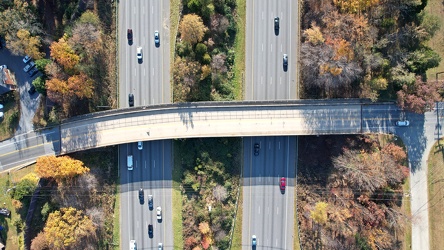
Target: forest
(372, 49)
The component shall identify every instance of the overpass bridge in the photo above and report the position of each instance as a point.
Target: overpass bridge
(201, 119)
(226, 119)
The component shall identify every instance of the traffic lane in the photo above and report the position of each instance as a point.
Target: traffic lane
(26, 148)
(263, 200)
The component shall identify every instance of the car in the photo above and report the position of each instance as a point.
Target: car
(156, 38)
(5, 212)
(26, 59)
(141, 196)
(131, 100)
(139, 53)
(285, 62)
(160, 246)
(133, 245)
(150, 230)
(282, 184)
(3, 67)
(150, 202)
(31, 90)
(276, 23)
(129, 161)
(33, 71)
(404, 123)
(129, 35)
(253, 240)
(29, 66)
(159, 213)
(256, 149)
(140, 145)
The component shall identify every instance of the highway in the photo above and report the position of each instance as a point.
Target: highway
(152, 172)
(268, 213)
(148, 80)
(265, 78)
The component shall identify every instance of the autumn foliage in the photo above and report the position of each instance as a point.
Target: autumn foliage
(350, 196)
(60, 169)
(67, 228)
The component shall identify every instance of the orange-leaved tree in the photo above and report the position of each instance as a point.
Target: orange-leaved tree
(62, 52)
(59, 168)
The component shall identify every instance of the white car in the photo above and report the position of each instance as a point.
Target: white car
(139, 53)
(140, 145)
(160, 246)
(402, 123)
(26, 59)
(253, 240)
(159, 213)
(133, 245)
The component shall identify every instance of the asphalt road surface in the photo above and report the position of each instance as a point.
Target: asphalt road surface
(267, 212)
(148, 80)
(152, 172)
(265, 75)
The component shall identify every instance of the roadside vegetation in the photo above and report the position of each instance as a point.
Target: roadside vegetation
(369, 49)
(204, 63)
(435, 182)
(350, 192)
(11, 114)
(436, 8)
(210, 178)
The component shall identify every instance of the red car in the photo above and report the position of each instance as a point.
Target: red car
(282, 184)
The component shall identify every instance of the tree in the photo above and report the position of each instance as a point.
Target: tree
(192, 29)
(62, 52)
(314, 35)
(23, 189)
(218, 63)
(26, 44)
(204, 228)
(319, 214)
(80, 85)
(420, 96)
(57, 90)
(39, 84)
(59, 168)
(220, 193)
(67, 228)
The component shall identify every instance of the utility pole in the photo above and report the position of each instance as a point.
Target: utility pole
(437, 107)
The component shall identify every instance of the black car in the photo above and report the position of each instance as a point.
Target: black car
(256, 149)
(141, 196)
(5, 212)
(285, 62)
(33, 71)
(31, 90)
(150, 230)
(276, 23)
(129, 35)
(150, 202)
(131, 100)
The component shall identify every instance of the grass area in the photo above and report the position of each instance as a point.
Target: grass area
(237, 234)
(11, 110)
(296, 243)
(116, 219)
(12, 234)
(407, 244)
(177, 201)
(436, 8)
(175, 9)
(435, 182)
(239, 48)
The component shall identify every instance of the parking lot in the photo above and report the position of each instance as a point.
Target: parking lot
(28, 102)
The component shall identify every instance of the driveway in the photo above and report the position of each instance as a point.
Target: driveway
(28, 103)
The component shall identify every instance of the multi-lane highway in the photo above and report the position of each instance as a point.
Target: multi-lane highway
(267, 212)
(152, 172)
(148, 80)
(265, 47)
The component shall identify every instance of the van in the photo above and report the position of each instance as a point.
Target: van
(130, 162)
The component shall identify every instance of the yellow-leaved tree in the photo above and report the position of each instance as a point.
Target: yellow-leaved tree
(67, 228)
(319, 214)
(192, 29)
(63, 53)
(59, 168)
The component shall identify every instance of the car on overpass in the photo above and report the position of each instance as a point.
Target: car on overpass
(282, 184)
(141, 196)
